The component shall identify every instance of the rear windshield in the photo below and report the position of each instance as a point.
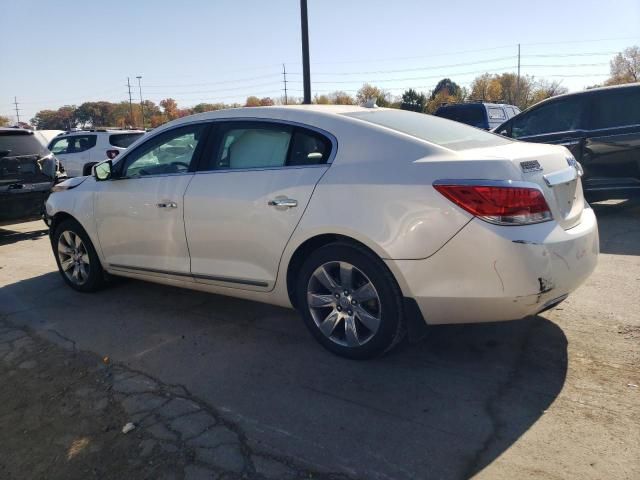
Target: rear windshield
(452, 135)
(123, 140)
(13, 144)
(471, 115)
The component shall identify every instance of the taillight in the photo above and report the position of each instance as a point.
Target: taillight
(502, 205)
(111, 154)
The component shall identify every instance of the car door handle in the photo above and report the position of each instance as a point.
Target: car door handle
(167, 205)
(283, 202)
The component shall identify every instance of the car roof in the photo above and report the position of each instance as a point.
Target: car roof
(590, 91)
(17, 131)
(99, 130)
(304, 114)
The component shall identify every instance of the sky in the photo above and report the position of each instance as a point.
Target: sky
(66, 52)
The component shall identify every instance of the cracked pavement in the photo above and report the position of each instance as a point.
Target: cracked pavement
(220, 387)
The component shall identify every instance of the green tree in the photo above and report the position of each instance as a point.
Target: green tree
(369, 92)
(448, 86)
(625, 67)
(341, 98)
(208, 107)
(96, 114)
(252, 101)
(414, 101)
(4, 121)
(487, 87)
(62, 119)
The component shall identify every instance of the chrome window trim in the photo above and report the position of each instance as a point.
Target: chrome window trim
(150, 136)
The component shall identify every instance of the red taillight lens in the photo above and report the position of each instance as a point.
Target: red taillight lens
(502, 205)
(111, 154)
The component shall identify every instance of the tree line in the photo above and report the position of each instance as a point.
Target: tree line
(498, 88)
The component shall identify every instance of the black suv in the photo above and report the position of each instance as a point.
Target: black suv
(600, 126)
(27, 172)
(478, 114)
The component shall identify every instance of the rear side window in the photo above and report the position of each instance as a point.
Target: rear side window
(454, 136)
(123, 140)
(616, 109)
(309, 148)
(244, 146)
(496, 113)
(560, 116)
(72, 144)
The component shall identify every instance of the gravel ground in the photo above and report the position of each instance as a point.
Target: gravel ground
(223, 388)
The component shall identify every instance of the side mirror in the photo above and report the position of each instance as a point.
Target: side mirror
(87, 169)
(102, 171)
(315, 156)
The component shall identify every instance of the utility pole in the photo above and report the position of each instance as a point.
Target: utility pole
(284, 78)
(518, 80)
(130, 102)
(15, 102)
(306, 75)
(139, 77)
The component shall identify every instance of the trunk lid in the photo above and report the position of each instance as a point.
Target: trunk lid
(550, 167)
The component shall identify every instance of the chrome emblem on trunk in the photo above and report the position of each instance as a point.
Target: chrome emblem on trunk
(531, 166)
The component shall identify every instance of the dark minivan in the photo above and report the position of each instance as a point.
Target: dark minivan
(478, 114)
(27, 172)
(600, 126)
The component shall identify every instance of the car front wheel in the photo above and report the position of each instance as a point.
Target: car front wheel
(350, 301)
(77, 260)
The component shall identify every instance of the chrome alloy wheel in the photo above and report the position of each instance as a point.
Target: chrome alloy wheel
(74, 257)
(344, 304)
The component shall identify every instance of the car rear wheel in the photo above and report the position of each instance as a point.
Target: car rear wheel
(350, 301)
(77, 260)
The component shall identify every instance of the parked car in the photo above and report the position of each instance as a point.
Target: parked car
(27, 172)
(600, 126)
(478, 114)
(47, 135)
(75, 149)
(369, 221)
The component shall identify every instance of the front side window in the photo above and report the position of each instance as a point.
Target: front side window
(168, 153)
(559, 116)
(73, 144)
(616, 109)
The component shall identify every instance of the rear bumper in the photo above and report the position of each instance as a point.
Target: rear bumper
(491, 273)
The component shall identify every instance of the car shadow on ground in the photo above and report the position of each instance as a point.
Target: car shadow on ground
(8, 237)
(619, 226)
(445, 407)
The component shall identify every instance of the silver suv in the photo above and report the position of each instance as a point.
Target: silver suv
(75, 149)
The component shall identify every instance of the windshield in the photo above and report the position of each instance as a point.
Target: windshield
(123, 140)
(13, 144)
(469, 114)
(446, 133)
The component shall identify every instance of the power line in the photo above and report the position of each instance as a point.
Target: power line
(238, 80)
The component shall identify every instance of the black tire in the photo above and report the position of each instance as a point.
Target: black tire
(95, 278)
(391, 328)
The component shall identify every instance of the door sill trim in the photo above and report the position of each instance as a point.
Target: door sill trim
(195, 276)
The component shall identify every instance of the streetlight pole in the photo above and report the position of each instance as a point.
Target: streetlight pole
(139, 77)
(306, 76)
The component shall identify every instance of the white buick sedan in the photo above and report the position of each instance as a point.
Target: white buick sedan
(369, 221)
